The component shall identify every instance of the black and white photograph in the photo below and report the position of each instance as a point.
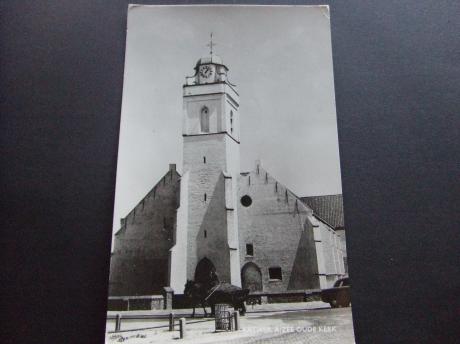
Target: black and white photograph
(218, 172)
(228, 216)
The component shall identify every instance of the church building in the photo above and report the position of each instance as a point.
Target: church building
(245, 226)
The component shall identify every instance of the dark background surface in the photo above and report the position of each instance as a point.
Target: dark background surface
(397, 89)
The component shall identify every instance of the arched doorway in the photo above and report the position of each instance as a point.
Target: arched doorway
(251, 277)
(203, 271)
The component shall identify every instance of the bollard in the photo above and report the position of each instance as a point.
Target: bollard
(168, 295)
(171, 321)
(236, 317)
(182, 327)
(117, 322)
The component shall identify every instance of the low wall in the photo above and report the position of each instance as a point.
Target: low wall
(291, 296)
(152, 302)
(130, 303)
(181, 302)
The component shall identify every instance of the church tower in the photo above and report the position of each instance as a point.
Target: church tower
(206, 236)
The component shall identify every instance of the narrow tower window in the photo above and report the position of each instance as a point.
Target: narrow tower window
(204, 120)
(205, 233)
(204, 160)
(249, 250)
(231, 121)
(205, 197)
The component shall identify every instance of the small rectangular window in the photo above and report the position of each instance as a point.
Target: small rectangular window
(249, 250)
(275, 273)
(204, 160)
(205, 197)
(205, 234)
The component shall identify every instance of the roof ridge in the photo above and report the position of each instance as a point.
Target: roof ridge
(284, 186)
(339, 194)
(150, 191)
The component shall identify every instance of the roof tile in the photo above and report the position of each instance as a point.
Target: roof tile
(329, 208)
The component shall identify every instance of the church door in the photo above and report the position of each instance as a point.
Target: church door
(203, 271)
(251, 277)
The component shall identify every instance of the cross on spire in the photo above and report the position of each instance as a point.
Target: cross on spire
(211, 44)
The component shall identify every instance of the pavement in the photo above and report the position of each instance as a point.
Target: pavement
(304, 322)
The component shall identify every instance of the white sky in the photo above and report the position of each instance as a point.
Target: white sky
(280, 59)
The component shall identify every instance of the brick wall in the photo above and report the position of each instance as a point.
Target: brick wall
(139, 263)
(332, 248)
(277, 225)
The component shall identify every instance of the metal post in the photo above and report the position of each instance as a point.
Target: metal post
(171, 321)
(236, 317)
(182, 323)
(117, 322)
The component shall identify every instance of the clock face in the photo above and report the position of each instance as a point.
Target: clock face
(205, 71)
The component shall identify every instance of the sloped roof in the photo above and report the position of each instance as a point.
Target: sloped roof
(172, 169)
(328, 208)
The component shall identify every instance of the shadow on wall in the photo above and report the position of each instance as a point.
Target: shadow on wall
(304, 273)
(211, 239)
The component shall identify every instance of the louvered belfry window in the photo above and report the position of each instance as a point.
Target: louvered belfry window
(204, 120)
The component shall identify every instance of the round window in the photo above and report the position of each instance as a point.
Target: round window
(246, 201)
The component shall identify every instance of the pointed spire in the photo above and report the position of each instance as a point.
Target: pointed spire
(258, 164)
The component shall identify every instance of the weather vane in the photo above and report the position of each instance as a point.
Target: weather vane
(211, 44)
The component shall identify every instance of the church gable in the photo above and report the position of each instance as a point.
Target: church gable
(276, 234)
(160, 191)
(141, 249)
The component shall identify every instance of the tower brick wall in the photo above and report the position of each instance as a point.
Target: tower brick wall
(207, 225)
(206, 231)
